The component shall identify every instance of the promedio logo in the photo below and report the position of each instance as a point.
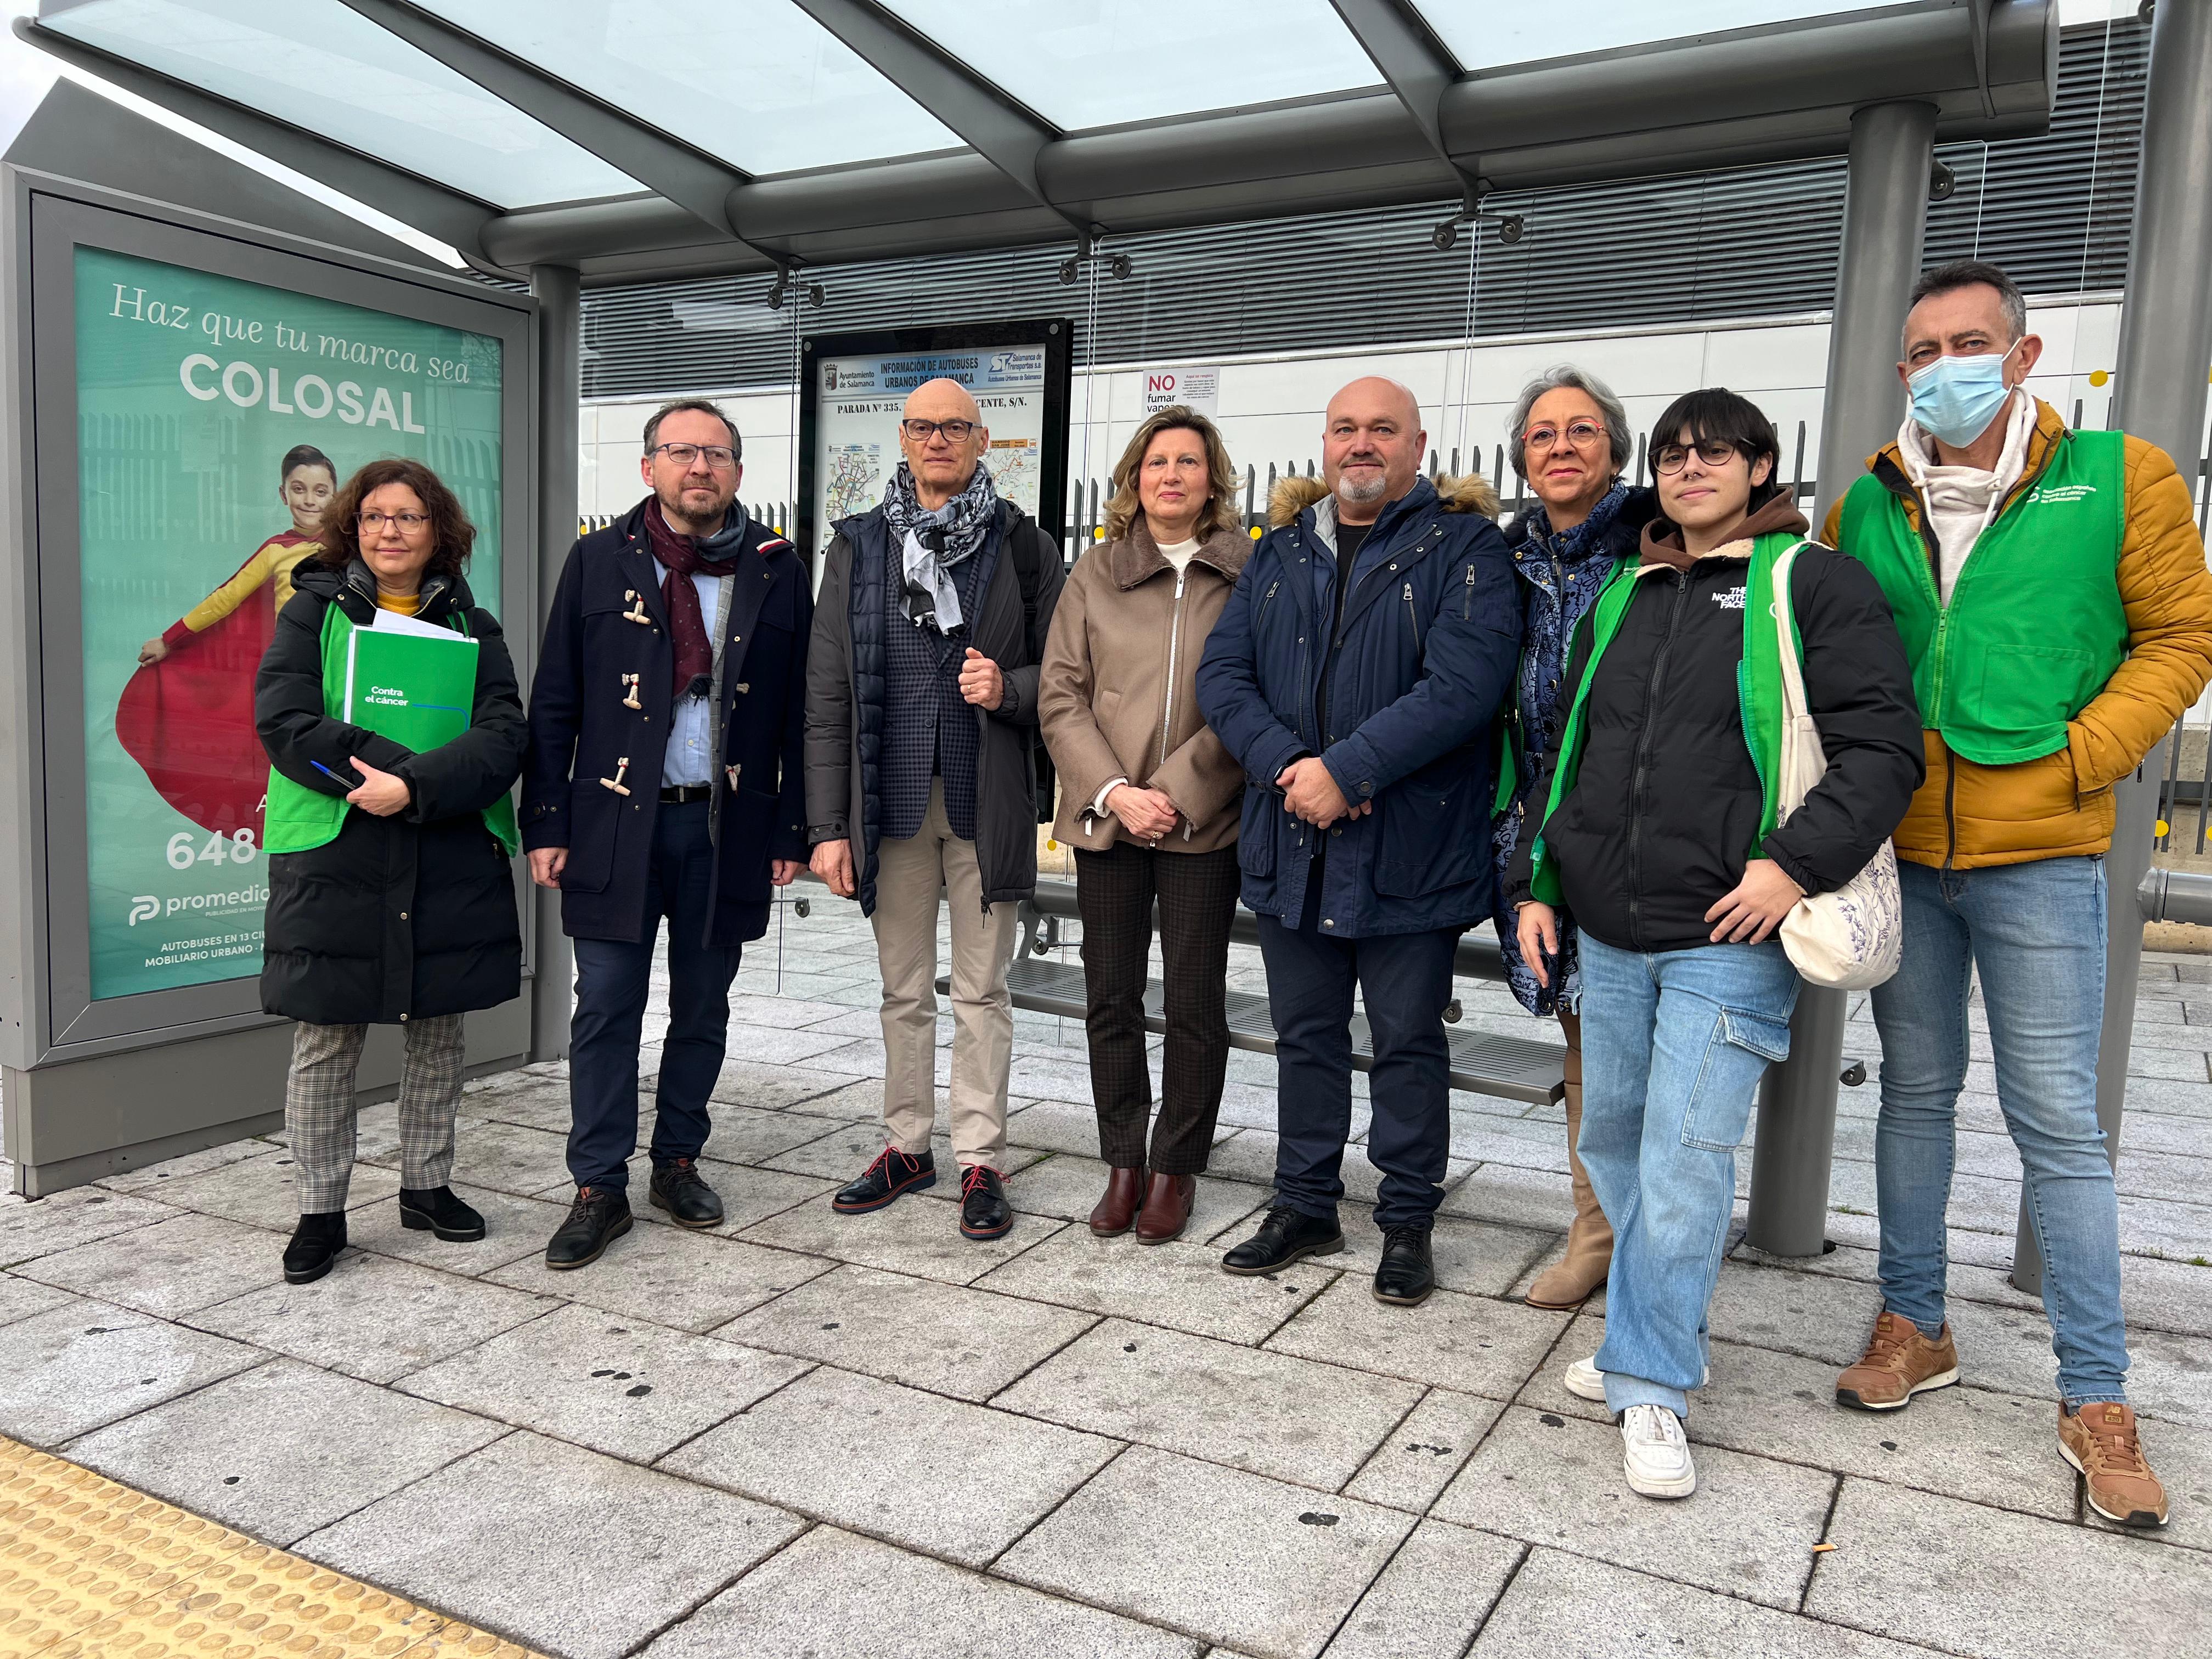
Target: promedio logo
(144, 907)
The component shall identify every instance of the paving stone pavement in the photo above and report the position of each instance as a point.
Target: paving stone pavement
(803, 1433)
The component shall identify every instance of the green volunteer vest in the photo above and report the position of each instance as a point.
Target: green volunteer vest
(1759, 694)
(2035, 626)
(298, 818)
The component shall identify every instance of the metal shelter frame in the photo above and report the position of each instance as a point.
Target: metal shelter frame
(1883, 84)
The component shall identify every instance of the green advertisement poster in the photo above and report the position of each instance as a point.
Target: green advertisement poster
(215, 419)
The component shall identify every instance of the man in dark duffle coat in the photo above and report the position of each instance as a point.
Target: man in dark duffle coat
(664, 778)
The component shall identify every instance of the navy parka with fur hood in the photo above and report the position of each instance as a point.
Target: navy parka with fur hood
(1413, 676)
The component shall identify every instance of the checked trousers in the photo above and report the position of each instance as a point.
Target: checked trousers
(320, 1113)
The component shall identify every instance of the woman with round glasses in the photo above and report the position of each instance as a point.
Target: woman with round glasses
(391, 895)
(1656, 821)
(1568, 438)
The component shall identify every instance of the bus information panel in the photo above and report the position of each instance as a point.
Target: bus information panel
(853, 387)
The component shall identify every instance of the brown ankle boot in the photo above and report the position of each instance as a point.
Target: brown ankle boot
(1114, 1211)
(1568, 1282)
(1167, 1207)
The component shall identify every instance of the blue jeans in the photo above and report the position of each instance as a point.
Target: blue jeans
(1674, 1046)
(2037, 933)
(1405, 979)
(613, 979)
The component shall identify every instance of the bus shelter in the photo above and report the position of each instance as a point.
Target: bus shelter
(575, 143)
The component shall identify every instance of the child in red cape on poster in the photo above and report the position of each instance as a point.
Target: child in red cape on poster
(187, 716)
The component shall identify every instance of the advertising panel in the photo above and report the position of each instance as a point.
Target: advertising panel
(216, 418)
(855, 386)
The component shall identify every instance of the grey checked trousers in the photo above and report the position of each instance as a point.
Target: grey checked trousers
(318, 1107)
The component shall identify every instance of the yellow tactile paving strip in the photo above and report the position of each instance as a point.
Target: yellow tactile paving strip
(91, 1569)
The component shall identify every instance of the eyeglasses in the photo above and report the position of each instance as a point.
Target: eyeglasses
(920, 432)
(1671, 457)
(719, 457)
(370, 523)
(1582, 435)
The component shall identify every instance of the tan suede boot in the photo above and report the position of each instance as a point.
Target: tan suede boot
(1568, 1281)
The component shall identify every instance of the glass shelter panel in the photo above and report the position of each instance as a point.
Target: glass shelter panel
(757, 83)
(1097, 63)
(1491, 36)
(317, 65)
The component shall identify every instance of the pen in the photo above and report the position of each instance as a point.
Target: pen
(350, 784)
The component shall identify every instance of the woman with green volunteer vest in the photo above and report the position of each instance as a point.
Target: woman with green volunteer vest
(1655, 823)
(390, 893)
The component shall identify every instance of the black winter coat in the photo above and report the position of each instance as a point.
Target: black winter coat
(1667, 803)
(846, 681)
(582, 729)
(411, 916)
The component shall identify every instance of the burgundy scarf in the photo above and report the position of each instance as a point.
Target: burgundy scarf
(686, 623)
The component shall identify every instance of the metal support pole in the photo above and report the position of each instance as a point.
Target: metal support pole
(560, 396)
(1885, 215)
(2166, 340)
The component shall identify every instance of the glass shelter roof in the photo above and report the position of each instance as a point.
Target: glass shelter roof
(316, 65)
(742, 134)
(756, 83)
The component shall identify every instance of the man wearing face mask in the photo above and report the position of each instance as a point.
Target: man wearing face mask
(2052, 591)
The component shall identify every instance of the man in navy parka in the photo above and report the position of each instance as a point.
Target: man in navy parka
(1356, 675)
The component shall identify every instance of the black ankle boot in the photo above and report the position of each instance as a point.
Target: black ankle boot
(316, 1243)
(435, 1209)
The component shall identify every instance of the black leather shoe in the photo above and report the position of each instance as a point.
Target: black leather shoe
(984, 1211)
(680, 1189)
(1407, 1274)
(893, 1173)
(435, 1210)
(315, 1245)
(1286, 1235)
(599, 1216)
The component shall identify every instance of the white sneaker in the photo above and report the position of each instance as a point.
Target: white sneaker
(1654, 1455)
(1585, 1382)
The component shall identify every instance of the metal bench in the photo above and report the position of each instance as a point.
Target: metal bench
(1482, 1062)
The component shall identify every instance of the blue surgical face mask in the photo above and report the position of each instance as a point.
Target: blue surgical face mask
(1955, 398)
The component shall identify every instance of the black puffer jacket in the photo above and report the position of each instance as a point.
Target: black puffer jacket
(1666, 805)
(406, 917)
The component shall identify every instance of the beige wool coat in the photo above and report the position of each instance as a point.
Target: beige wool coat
(1117, 696)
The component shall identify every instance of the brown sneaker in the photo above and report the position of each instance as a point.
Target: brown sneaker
(2099, 1440)
(1898, 1364)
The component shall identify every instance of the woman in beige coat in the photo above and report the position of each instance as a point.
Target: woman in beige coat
(1149, 802)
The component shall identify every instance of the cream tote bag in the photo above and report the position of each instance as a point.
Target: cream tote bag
(1850, 939)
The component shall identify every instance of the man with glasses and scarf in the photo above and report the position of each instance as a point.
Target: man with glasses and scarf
(664, 778)
(922, 698)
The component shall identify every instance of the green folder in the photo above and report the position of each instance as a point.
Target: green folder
(415, 688)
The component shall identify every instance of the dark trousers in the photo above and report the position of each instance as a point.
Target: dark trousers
(1404, 980)
(1197, 894)
(613, 980)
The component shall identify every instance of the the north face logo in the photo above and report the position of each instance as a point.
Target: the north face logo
(1729, 598)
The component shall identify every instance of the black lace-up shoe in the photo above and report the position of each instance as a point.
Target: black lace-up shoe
(316, 1243)
(435, 1210)
(599, 1216)
(1286, 1235)
(984, 1211)
(892, 1173)
(1407, 1274)
(680, 1189)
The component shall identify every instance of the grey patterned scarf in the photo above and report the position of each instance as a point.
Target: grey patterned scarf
(931, 544)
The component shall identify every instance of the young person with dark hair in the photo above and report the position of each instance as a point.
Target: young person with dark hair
(1657, 824)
